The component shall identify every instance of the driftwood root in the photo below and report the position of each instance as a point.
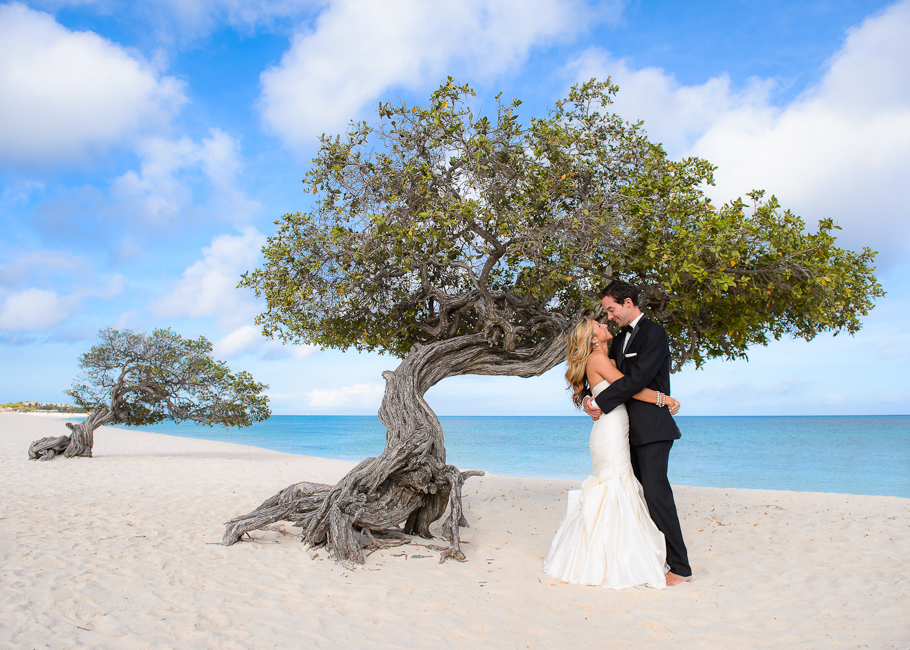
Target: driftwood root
(47, 448)
(351, 523)
(409, 486)
(78, 443)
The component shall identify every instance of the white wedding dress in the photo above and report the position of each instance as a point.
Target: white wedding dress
(607, 537)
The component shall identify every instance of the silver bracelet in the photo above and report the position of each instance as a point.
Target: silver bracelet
(660, 399)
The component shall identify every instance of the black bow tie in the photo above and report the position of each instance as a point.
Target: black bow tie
(626, 329)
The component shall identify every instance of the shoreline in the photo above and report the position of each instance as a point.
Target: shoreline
(710, 453)
(122, 550)
(49, 414)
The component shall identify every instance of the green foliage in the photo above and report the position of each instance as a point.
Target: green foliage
(21, 407)
(144, 379)
(34, 407)
(734, 277)
(438, 222)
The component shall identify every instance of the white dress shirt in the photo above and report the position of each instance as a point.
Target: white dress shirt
(633, 325)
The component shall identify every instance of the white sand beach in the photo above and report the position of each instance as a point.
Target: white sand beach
(123, 551)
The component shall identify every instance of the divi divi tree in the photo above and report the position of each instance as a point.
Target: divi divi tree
(466, 244)
(134, 378)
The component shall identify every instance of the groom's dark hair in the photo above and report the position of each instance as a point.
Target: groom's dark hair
(619, 291)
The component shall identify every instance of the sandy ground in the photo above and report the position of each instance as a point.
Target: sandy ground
(122, 551)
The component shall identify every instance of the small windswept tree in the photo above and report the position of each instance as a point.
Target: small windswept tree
(135, 378)
(469, 245)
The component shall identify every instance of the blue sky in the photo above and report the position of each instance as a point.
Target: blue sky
(146, 149)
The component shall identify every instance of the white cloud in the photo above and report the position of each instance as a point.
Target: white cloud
(784, 388)
(160, 191)
(872, 70)
(24, 267)
(20, 191)
(359, 49)
(63, 93)
(358, 396)
(274, 349)
(33, 309)
(248, 338)
(27, 302)
(155, 189)
(838, 398)
(243, 339)
(208, 287)
(201, 16)
(185, 20)
(841, 149)
(674, 115)
(114, 286)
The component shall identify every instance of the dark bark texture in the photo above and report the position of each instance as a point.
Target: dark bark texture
(409, 486)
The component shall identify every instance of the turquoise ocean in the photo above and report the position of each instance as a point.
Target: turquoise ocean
(849, 454)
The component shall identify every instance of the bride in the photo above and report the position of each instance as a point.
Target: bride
(606, 536)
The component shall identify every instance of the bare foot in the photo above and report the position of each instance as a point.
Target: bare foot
(673, 579)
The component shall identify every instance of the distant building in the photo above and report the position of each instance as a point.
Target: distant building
(31, 406)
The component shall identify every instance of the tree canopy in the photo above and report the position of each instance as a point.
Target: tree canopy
(136, 378)
(437, 223)
(467, 244)
(146, 378)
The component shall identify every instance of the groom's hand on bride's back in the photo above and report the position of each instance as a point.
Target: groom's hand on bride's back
(591, 409)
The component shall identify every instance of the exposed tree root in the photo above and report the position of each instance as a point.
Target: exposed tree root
(409, 486)
(47, 448)
(79, 443)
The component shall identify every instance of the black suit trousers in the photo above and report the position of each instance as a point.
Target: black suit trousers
(649, 462)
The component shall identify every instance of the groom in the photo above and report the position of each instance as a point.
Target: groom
(642, 354)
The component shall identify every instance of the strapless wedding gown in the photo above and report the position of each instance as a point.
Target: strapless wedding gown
(606, 536)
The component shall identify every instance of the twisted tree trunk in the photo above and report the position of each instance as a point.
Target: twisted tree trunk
(410, 482)
(78, 443)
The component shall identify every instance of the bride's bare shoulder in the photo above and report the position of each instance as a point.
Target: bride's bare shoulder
(597, 359)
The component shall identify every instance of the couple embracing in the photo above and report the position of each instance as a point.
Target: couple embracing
(621, 528)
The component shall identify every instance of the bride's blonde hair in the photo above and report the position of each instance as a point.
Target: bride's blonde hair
(579, 349)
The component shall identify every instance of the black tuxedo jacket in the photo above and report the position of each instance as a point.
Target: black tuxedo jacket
(645, 364)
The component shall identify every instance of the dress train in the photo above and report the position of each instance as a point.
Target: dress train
(607, 536)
